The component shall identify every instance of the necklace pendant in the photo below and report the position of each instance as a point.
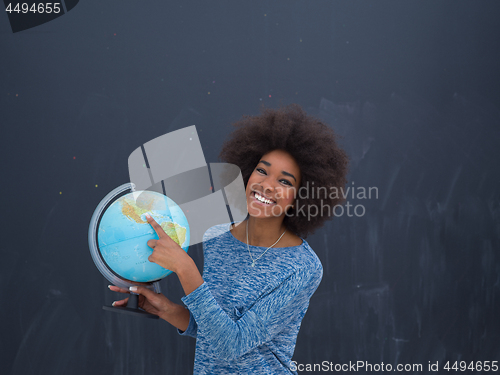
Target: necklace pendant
(253, 264)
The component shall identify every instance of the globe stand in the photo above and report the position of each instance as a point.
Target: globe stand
(132, 308)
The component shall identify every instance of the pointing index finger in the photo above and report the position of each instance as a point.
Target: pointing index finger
(157, 228)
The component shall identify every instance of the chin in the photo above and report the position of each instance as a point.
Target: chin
(261, 213)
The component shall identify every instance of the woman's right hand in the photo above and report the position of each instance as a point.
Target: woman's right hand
(149, 301)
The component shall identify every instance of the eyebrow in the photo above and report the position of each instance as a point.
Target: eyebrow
(283, 172)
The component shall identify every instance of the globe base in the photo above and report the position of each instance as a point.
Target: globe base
(131, 309)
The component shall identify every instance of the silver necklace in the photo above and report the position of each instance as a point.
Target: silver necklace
(260, 256)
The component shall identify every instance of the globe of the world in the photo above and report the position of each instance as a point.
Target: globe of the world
(123, 233)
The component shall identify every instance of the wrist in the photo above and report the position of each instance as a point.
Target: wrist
(177, 315)
(185, 266)
(169, 309)
(189, 276)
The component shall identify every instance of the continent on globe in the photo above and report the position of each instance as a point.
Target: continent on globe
(174, 231)
(135, 210)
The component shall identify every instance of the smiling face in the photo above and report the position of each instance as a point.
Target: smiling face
(272, 185)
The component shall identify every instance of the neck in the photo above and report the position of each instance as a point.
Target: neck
(264, 232)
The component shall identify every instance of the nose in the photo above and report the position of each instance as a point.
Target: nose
(267, 186)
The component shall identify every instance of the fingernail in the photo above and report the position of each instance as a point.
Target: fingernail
(148, 216)
(133, 289)
(113, 304)
(109, 286)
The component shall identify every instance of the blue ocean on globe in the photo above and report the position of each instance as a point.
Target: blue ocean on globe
(123, 234)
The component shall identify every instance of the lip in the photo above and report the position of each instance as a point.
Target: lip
(252, 195)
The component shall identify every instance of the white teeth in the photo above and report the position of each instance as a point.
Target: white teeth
(262, 199)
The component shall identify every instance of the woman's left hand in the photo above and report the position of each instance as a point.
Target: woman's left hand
(166, 252)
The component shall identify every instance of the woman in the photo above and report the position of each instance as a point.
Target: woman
(259, 274)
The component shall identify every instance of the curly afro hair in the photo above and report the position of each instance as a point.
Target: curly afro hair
(323, 164)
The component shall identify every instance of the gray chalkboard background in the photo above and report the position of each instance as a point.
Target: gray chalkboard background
(413, 87)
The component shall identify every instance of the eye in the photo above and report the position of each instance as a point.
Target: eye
(262, 171)
(287, 182)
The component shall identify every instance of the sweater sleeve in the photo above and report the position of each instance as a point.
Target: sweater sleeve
(192, 328)
(259, 324)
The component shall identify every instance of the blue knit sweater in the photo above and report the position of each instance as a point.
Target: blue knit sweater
(246, 319)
